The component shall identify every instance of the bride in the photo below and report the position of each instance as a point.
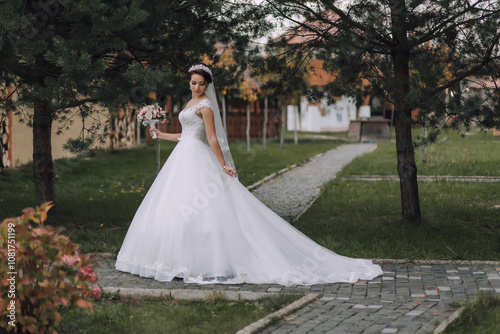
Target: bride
(199, 223)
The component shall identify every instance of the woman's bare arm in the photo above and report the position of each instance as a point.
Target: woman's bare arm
(165, 136)
(208, 120)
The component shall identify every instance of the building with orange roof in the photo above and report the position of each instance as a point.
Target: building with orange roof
(319, 116)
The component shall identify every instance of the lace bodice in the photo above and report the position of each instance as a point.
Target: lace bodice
(193, 127)
(192, 124)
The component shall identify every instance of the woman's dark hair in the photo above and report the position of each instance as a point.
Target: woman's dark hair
(205, 75)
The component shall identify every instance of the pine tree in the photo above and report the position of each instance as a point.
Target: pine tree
(408, 52)
(69, 56)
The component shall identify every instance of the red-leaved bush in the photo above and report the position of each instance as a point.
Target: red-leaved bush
(41, 272)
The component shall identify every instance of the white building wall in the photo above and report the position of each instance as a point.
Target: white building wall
(292, 118)
(311, 119)
(364, 112)
(336, 118)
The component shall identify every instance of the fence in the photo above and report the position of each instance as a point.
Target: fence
(236, 125)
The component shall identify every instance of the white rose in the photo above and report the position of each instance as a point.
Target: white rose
(149, 116)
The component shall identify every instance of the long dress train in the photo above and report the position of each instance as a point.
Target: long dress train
(198, 223)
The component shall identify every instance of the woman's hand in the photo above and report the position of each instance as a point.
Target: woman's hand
(230, 170)
(153, 130)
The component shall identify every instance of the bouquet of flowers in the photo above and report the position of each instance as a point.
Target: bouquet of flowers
(151, 115)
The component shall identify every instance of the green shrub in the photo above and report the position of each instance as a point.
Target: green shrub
(42, 272)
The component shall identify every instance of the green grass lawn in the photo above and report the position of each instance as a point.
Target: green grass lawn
(131, 316)
(481, 315)
(98, 197)
(363, 219)
(475, 154)
(461, 220)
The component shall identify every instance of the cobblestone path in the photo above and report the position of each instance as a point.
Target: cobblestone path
(292, 192)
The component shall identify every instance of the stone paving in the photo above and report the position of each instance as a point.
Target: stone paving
(425, 178)
(407, 298)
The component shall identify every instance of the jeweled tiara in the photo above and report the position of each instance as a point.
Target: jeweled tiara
(200, 67)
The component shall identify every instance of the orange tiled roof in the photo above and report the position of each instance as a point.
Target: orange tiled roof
(317, 75)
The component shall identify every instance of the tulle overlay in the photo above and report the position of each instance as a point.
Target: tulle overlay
(200, 224)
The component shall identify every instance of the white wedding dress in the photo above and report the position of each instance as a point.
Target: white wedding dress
(198, 223)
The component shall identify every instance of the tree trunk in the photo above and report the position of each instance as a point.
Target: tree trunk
(295, 124)
(283, 119)
(264, 126)
(407, 168)
(43, 167)
(158, 165)
(424, 144)
(6, 133)
(224, 113)
(248, 127)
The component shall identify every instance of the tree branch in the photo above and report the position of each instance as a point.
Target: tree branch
(451, 21)
(486, 60)
(355, 24)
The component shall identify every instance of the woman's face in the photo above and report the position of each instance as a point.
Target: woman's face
(198, 85)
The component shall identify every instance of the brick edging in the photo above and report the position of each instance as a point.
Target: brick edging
(448, 321)
(437, 262)
(260, 324)
(424, 178)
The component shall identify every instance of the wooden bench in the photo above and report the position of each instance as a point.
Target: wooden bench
(372, 129)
